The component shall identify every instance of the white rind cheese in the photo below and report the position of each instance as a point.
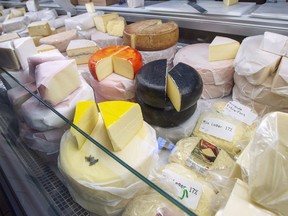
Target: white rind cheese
(81, 22)
(8, 37)
(17, 24)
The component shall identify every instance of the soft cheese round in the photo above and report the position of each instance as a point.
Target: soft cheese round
(104, 40)
(212, 73)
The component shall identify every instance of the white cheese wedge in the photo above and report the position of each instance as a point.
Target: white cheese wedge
(280, 81)
(230, 2)
(223, 48)
(8, 37)
(115, 27)
(45, 48)
(8, 56)
(40, 28)
(24, 48)
(56, 80)
(275, 43)
(101, 21)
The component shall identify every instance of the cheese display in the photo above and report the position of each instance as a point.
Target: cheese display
(280, 81)
(101, 21)
(40, 28)
(8, 56)
(217, 91)
(230, 2)
(149, 56)
(222, 48)
(8, 37)
(15, 24)
(81, 22)
(269, 170)
(122, 60)
(51, 55)
(39, 117)
(81, 50)
(151, 35)
(104, 40)
(122, 120)
(115, 27)
(51, 80)
(275, 43)
(85, 117)
(60, 40)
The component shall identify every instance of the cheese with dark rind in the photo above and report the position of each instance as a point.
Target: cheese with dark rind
(151, 83)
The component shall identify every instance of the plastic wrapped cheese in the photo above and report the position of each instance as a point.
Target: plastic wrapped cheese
(58, 22)
(269, 168)
(16, 24)
(86, 34)
(21, 76)
(212, 73)
(280, 80)
(149, 56)
(217, 91)
(104, 40)
(39, 117)
(82, 22)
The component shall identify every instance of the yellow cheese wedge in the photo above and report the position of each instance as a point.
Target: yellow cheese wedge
(122, 120)
(230, 2)
(115, 27)
(223, 48)
(86, 118)
(40, 28)
(44, 48)
(36, 40)
(101, 21)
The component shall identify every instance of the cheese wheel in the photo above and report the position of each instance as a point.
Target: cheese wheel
(151, 35)
(104, 40)
(217, 91)
(212, 73)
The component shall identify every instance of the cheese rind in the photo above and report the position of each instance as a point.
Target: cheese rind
(101, 21)
(40, 28)
(275, 43)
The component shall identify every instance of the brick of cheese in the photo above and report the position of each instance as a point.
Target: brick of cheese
(24, 48)
(104, 40)
(36, 40)
(15, 24)
(101, 21)
(115, 27)
(8, 37)
(44, 48)
(280, 80)
(8, 56)
(40, 28)
(151, 35)
(223, 48)
(122, 120)
(230, 2)
(275, 43)
(85, 118)
(52, 80)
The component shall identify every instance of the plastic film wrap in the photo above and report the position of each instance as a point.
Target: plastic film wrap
(104, 40)
(217, 91)
(82, 22)
(149, 56)
(280, 81)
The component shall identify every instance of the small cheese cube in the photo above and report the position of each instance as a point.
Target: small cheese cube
(101, 21)
(40, 28)
(115, 27)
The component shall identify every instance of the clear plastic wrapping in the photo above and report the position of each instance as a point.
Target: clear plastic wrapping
(58, 22)
(149, 56)
(280, 81)
(82, 22)
(217, 91)
(16, 24)
(104, 40)
(86, 34)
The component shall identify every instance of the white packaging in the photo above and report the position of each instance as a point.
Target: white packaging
(169, 53)
(275, 43)
(217, 91)
(16, 24)
(280, 80)
(58, 22)
(104, 40)
(86, 34)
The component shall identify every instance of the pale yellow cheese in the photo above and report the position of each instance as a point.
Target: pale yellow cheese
(115, 27)
(16, 12)
(230, 2)
(173, 93)
(223, 48)
(101, 21)
(90, 7)
(44, 48)
(36, 40)
(39, 28)
(123, 67)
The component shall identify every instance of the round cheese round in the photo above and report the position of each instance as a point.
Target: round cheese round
(217, 91)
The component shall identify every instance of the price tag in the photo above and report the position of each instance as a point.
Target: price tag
(188, 192)
(218, 128)
(240, 112)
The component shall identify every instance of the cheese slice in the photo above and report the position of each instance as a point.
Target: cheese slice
(24, 48)
(275, 43)
(86, 118)
(230, 2)
(44, 48)
(40, 28)
(8, 37)
(54, 85)
(223, 48)
(122, 120)
(280, 80)
(8, 56)
(115, 27)
(101, 21)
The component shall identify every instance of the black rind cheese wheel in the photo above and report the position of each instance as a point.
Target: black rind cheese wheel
(151, 83)
(167, 117)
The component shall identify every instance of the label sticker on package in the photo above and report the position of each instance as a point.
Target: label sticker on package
(188, 192)
(240, 112)
(218, 128)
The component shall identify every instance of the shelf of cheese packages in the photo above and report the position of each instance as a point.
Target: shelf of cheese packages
(110, 118)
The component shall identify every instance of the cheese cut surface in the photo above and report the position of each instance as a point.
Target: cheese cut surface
(8, 37)
(8, 56)
(40, 28)
(122, 120)
(45, 48)
(101, 21)
(24, 48)
(81, 47)
(184, 86)
(55, 85)
(86, 118)
(115, 27)
(223, 48)
(280, 80)
(275, 43)
(230, 2)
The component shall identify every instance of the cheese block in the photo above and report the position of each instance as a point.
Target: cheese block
(151, 35)
(101, 21)
(8, 56)
(122, 60)
(44, 48)
(36, 40)
(8, 37)
(24, 48)
(280, 80)
(40, 58)
(115, 27)
(212, 73)
(184, 86)
(41, 118)
(217, 91)
(81, 50)
(16, 12)
(230, 2)
(52, 83)
(85, 118)
(60, 40)
(275, 43)
(81, 22)
(90, 7)
(104, 40)
(223, 48)
(122, 120)
(40, 28)
(86, 34)
(167, 116)
(15, 24)
(169, 53)
(58, 22)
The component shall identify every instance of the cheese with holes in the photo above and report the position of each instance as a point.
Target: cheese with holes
(81, 22)
(122, 120)
(45, 48)
(40, 28)
(280, 80)
(8, 37)
(101, 21)
(81, 50)
(230, 2)
(60, 40)
(223, 48)
(104, 40)
(122, 60)
(8, 56)
(212, 73)
(56, 80)
(85, 118)
(24, 48)
(40, 58)
(275, 43)
(151, 35)
(115, 27)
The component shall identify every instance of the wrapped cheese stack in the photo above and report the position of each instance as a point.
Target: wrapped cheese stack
(261, 74)
(169, 98)
(14, 20)
(95, 180)
(214, 62)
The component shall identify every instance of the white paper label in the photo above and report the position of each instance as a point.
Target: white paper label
(188, 192)
(218, 128)
(240, 112)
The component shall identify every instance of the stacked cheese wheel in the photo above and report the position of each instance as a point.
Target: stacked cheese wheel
(261, 74)
(182, 84)
(214, 62)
